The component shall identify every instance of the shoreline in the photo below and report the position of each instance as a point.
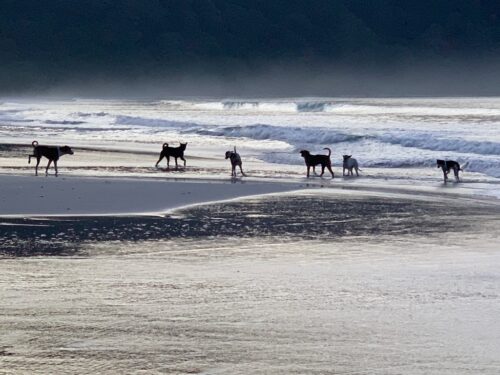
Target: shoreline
(30, 196)
(78, 196)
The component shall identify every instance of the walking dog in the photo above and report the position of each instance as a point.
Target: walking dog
(175, 152)
(235, 159)
(447, 166)
(350, 163)
(313, 160)
(53, 153)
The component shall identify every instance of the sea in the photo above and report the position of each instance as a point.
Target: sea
(380, 133)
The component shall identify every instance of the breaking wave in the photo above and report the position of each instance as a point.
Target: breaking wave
(295, 136)
(268, 106)
(299, 136)
(431, 142)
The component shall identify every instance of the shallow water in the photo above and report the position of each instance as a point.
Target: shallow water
(308, 283)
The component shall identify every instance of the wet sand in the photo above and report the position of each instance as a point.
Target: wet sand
(41, 196)
(317, 281)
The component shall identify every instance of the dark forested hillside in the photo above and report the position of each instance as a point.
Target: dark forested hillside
(43, 43)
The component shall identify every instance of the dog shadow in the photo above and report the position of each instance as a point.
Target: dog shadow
(450, 184)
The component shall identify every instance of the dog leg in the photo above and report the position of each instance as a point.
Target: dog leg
(308, 168)
(357, 173)
(158, 162)
(322, 170)
(182, 157)
(241, 170)
(330, 170)
(176, 166)
(36, 167)
(55, 166)
(47, 169)
(168, 162)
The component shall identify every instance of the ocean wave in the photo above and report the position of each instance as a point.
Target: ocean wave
(299, 136)
(431, 142)
(381, 149)
(293, 135)
(279, 106)
(151, 122)
(90, 114)
(63, 122)
(344, 107)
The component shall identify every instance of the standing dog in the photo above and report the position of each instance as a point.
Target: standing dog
(235, 159)
(175, 152)
(53, 153)
(447, 166)
(314, 160)
(349, 164)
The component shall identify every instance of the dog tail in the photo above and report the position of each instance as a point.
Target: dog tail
(165, 145)
(329, 151)
(235, 149)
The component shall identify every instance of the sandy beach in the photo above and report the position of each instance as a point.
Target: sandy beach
(316, 281)
(28, 196)
(117, 266)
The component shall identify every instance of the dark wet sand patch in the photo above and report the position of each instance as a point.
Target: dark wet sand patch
(314, 216)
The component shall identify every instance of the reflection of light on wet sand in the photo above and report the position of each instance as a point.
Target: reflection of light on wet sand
(256, 307)
(412, 303)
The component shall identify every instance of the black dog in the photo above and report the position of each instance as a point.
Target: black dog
(235, 159)
(313, 160)
(175, 152)
(447, 166)
(53, 153)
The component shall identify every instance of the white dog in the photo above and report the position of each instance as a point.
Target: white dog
(349, 164)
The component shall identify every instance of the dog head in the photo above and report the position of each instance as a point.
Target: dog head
(346, 157)
(66, 150)
(183, 146)
(228, 154)
(304, 153)
(440, 163)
